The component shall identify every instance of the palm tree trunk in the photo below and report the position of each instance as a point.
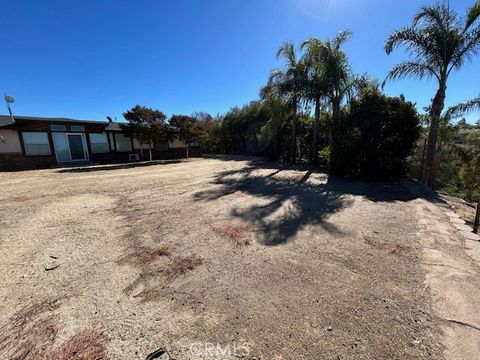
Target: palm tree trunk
(316, 125)
(437, 108)
(293, 150)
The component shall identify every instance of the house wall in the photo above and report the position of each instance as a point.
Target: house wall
(12, 154)
(9, 142)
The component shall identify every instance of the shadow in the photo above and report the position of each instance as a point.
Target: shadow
(121, 166)
(293, 200)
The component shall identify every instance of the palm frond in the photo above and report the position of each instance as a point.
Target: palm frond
(412, 38)
(410, 69)
(473, 14)
(341, 38)
(437, 15)
(463, 108)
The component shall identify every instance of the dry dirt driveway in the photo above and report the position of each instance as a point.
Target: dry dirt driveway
(224, 259)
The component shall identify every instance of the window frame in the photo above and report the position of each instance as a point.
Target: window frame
(64, 128)
(115, 134)
(25, 144)
(167, 147)
(72, 128)
(107, 142)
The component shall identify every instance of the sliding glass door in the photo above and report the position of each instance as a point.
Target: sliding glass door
(70, 147)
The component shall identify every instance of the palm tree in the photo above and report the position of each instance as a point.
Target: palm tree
(317, 85)
(438, 44)
(290, 82)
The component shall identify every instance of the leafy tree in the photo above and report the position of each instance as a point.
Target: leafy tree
(209, 132)
(290, 83)
(374, 136)
(147, 126)
(185, 128)
(470, 168)
(438, 43)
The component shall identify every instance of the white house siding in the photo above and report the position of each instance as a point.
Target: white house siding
(9, 142)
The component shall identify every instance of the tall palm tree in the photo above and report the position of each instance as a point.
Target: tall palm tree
(438, 43)
(290, 82)
(317, 85)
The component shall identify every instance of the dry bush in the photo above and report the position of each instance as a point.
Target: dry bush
(237, 232)
(180, 265)
(143, 255)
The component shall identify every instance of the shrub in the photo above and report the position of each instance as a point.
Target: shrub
(373, 138)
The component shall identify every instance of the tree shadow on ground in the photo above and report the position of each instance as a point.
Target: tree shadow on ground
(286, 204)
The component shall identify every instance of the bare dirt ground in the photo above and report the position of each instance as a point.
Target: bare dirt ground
(213, 259)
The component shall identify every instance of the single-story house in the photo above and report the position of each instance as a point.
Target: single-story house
(35, 142)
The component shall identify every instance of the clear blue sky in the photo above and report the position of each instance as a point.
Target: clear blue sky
(93, 58)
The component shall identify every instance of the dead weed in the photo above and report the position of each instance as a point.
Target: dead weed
(237, 232)
(143, 255)
(180, 265)
(30, 335)
(395, 249)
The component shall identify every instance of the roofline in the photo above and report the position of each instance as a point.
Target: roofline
(52, 119)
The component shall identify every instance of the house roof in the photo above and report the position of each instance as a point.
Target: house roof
(38, 118)
(7, 120)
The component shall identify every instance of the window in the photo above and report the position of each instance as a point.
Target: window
(124, 144)
(161, 146)
(36, 143)
(77, 128)
(57, 127)
(99, 143)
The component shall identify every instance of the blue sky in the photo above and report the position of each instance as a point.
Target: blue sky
(92, 58)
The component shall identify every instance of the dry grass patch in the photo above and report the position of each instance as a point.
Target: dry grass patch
(88, 345)
(143, 255)
(30, 335)
(237, 232)
(395, 249)
(181, 265)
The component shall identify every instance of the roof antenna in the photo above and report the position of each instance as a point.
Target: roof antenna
(9, 100)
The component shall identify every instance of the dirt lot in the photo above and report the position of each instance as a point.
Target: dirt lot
(212, 259)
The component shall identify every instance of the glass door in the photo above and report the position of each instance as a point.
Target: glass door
(70, 147)
(77, 150)
(62, 148)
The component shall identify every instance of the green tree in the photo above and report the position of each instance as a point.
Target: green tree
(185, 128)
(374, 136)
(470, 168)
(147, 126)
(438, 43)
(290, 82)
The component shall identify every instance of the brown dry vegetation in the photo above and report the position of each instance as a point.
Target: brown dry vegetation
(143, 255)
(31, 334)
(238, 233)
(181, 265)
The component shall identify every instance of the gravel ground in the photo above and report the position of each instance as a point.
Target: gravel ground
(211, 259)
